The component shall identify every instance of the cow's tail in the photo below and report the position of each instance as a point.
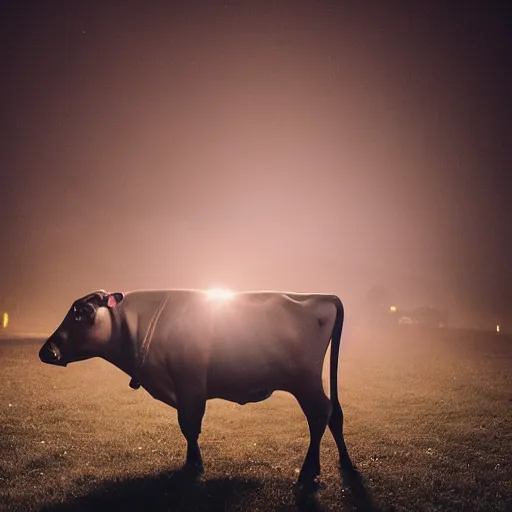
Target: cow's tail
(335, 352)
(336, 419)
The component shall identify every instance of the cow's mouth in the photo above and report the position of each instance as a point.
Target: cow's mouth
(50, 353)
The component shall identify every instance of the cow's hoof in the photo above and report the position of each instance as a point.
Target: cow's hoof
(193, 469)
(309, 478)
(347, 468)
(306, 486)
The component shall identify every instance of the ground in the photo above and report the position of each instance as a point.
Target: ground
(428, 418)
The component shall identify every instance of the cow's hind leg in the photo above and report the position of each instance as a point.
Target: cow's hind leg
(190, 416)
(317, 409)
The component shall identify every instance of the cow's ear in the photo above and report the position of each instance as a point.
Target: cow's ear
(114, 299)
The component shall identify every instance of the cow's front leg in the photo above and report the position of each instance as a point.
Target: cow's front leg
(190, 416)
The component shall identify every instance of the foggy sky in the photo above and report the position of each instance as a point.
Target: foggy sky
(274, 145)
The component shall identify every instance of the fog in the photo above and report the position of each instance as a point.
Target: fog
(255, 146)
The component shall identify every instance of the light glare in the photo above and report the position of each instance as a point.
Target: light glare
(220, 294)
(5, 320)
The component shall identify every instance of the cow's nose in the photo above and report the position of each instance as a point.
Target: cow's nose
(50, 354)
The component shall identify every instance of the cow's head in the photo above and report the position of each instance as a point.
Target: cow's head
(85, 330)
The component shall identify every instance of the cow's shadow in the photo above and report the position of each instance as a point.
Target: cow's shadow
(169, 491)
(177, 491)
(359, 496)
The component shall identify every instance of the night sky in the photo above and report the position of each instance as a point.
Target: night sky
(256, 145)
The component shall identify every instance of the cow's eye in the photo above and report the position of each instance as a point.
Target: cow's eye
(79, 314)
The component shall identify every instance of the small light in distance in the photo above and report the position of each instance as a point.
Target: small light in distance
(392, 309)
(219, 294)
(498, 328)
(5, 320)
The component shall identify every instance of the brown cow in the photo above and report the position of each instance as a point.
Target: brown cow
(187, 346)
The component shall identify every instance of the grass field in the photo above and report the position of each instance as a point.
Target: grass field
(428, 421)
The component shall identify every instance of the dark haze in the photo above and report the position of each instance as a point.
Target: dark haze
(256, 145)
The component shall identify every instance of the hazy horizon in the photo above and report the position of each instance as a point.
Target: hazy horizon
(291, 146)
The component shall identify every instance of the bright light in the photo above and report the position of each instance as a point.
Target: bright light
(220, 294)
(5, 320)
(498, 328)
(392, 309)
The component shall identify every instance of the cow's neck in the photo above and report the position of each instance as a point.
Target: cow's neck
(122, 351)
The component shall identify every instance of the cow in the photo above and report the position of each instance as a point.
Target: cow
(185, 347)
